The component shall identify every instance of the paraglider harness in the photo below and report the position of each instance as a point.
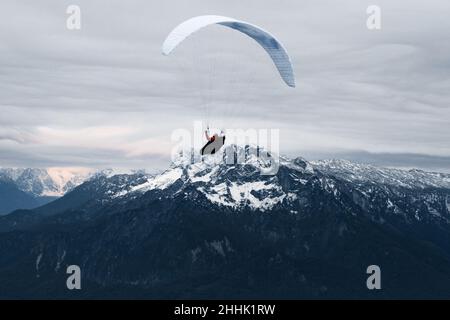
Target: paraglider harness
(213, 144)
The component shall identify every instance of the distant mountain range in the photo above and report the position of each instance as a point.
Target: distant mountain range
(213, 230)
(24, 188)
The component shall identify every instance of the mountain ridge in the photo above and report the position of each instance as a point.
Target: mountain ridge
(53, 182)
(209, 229)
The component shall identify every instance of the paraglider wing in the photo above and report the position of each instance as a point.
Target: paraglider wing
(272, 46)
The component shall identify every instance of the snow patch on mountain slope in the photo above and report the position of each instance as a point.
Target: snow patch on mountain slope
(218, 195)
(38, 261)
(61, 176)
(246, 195)
(111, 172)
(161, 181)
(241, 193)
(200, 172)
(298, 164)
(66, 179)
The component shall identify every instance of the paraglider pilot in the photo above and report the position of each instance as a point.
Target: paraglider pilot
(215, 142)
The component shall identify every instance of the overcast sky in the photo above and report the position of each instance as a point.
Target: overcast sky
(104, 96)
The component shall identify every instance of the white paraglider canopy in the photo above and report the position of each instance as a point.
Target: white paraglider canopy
(272, 46)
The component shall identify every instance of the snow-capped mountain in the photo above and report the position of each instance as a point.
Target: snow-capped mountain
(238, 186)
(241, 186)
(363, 173)
(209, 228)
(51, 182)
(31, 187)
(26, 188)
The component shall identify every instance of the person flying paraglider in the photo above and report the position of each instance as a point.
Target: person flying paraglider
(267, 41)
(215, 142)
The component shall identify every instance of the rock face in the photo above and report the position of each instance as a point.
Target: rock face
(208, 229)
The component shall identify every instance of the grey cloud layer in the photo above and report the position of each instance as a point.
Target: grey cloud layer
(105, 96)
